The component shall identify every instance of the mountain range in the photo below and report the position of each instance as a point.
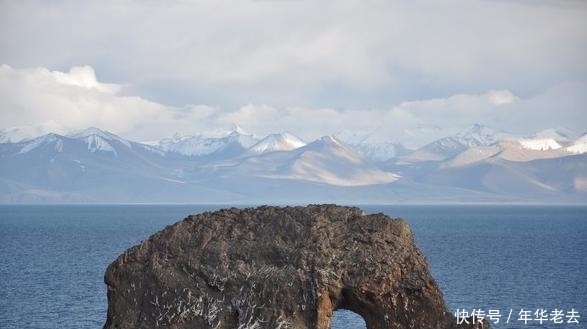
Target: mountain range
(477, 165)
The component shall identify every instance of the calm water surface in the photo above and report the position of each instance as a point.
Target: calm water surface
(52, 259)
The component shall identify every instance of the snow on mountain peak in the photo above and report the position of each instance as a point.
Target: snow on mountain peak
(277, 142)
(12, 135)
(330, 140)
(91, 136)
(42, 140)
(380, 152)
(239, 130)
(328, 160)
(207, 143)
(475, 136)
(245, 140)
(331, 146)
(557, 134)
(549, 139)
(579, 146)
(98, 143)
(540, 144)
(191, 145)
(371, 146)
(27, 133)
(480, 135)
(90, 131)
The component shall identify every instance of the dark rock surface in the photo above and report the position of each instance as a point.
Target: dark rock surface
(272, 267)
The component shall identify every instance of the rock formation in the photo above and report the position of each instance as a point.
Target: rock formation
(273, 267)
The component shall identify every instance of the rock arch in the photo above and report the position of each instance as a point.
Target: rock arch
(273, 267)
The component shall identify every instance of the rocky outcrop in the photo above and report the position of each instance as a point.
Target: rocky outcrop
(272, 267)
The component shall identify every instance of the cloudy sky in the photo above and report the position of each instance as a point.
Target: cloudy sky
(403, 71)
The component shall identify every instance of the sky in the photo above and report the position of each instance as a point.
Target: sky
(399, 71)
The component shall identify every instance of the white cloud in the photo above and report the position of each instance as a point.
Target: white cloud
(401, 71)
(500, 97)
(70, 101)
(418, 122)
(84, 76)
(305, 53)
(65, 102)
(405, 71)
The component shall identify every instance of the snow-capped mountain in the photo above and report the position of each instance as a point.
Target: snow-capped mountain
(482, 160)
(536, 179)
(325, 160)
(24, 133)
(380, 151)
(88, 167)
(540, 144)
(448, 147)
(52, 140)
(373, 149)
(13, 135)
(328, 160)
(90, 143)
(579, 146)
(200, 145)
(277, 142)
(478, 164)
(480, 143)
(94, 140)
(100, 141)
(480, 135)
(557, 134)
(549, 139)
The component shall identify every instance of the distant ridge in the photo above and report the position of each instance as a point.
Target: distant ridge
(477, 165)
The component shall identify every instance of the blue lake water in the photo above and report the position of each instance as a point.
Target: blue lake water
(502, 258)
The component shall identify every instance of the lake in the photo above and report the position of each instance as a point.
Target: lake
(510, 260)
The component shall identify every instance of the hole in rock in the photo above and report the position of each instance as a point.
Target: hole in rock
(345, 319)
